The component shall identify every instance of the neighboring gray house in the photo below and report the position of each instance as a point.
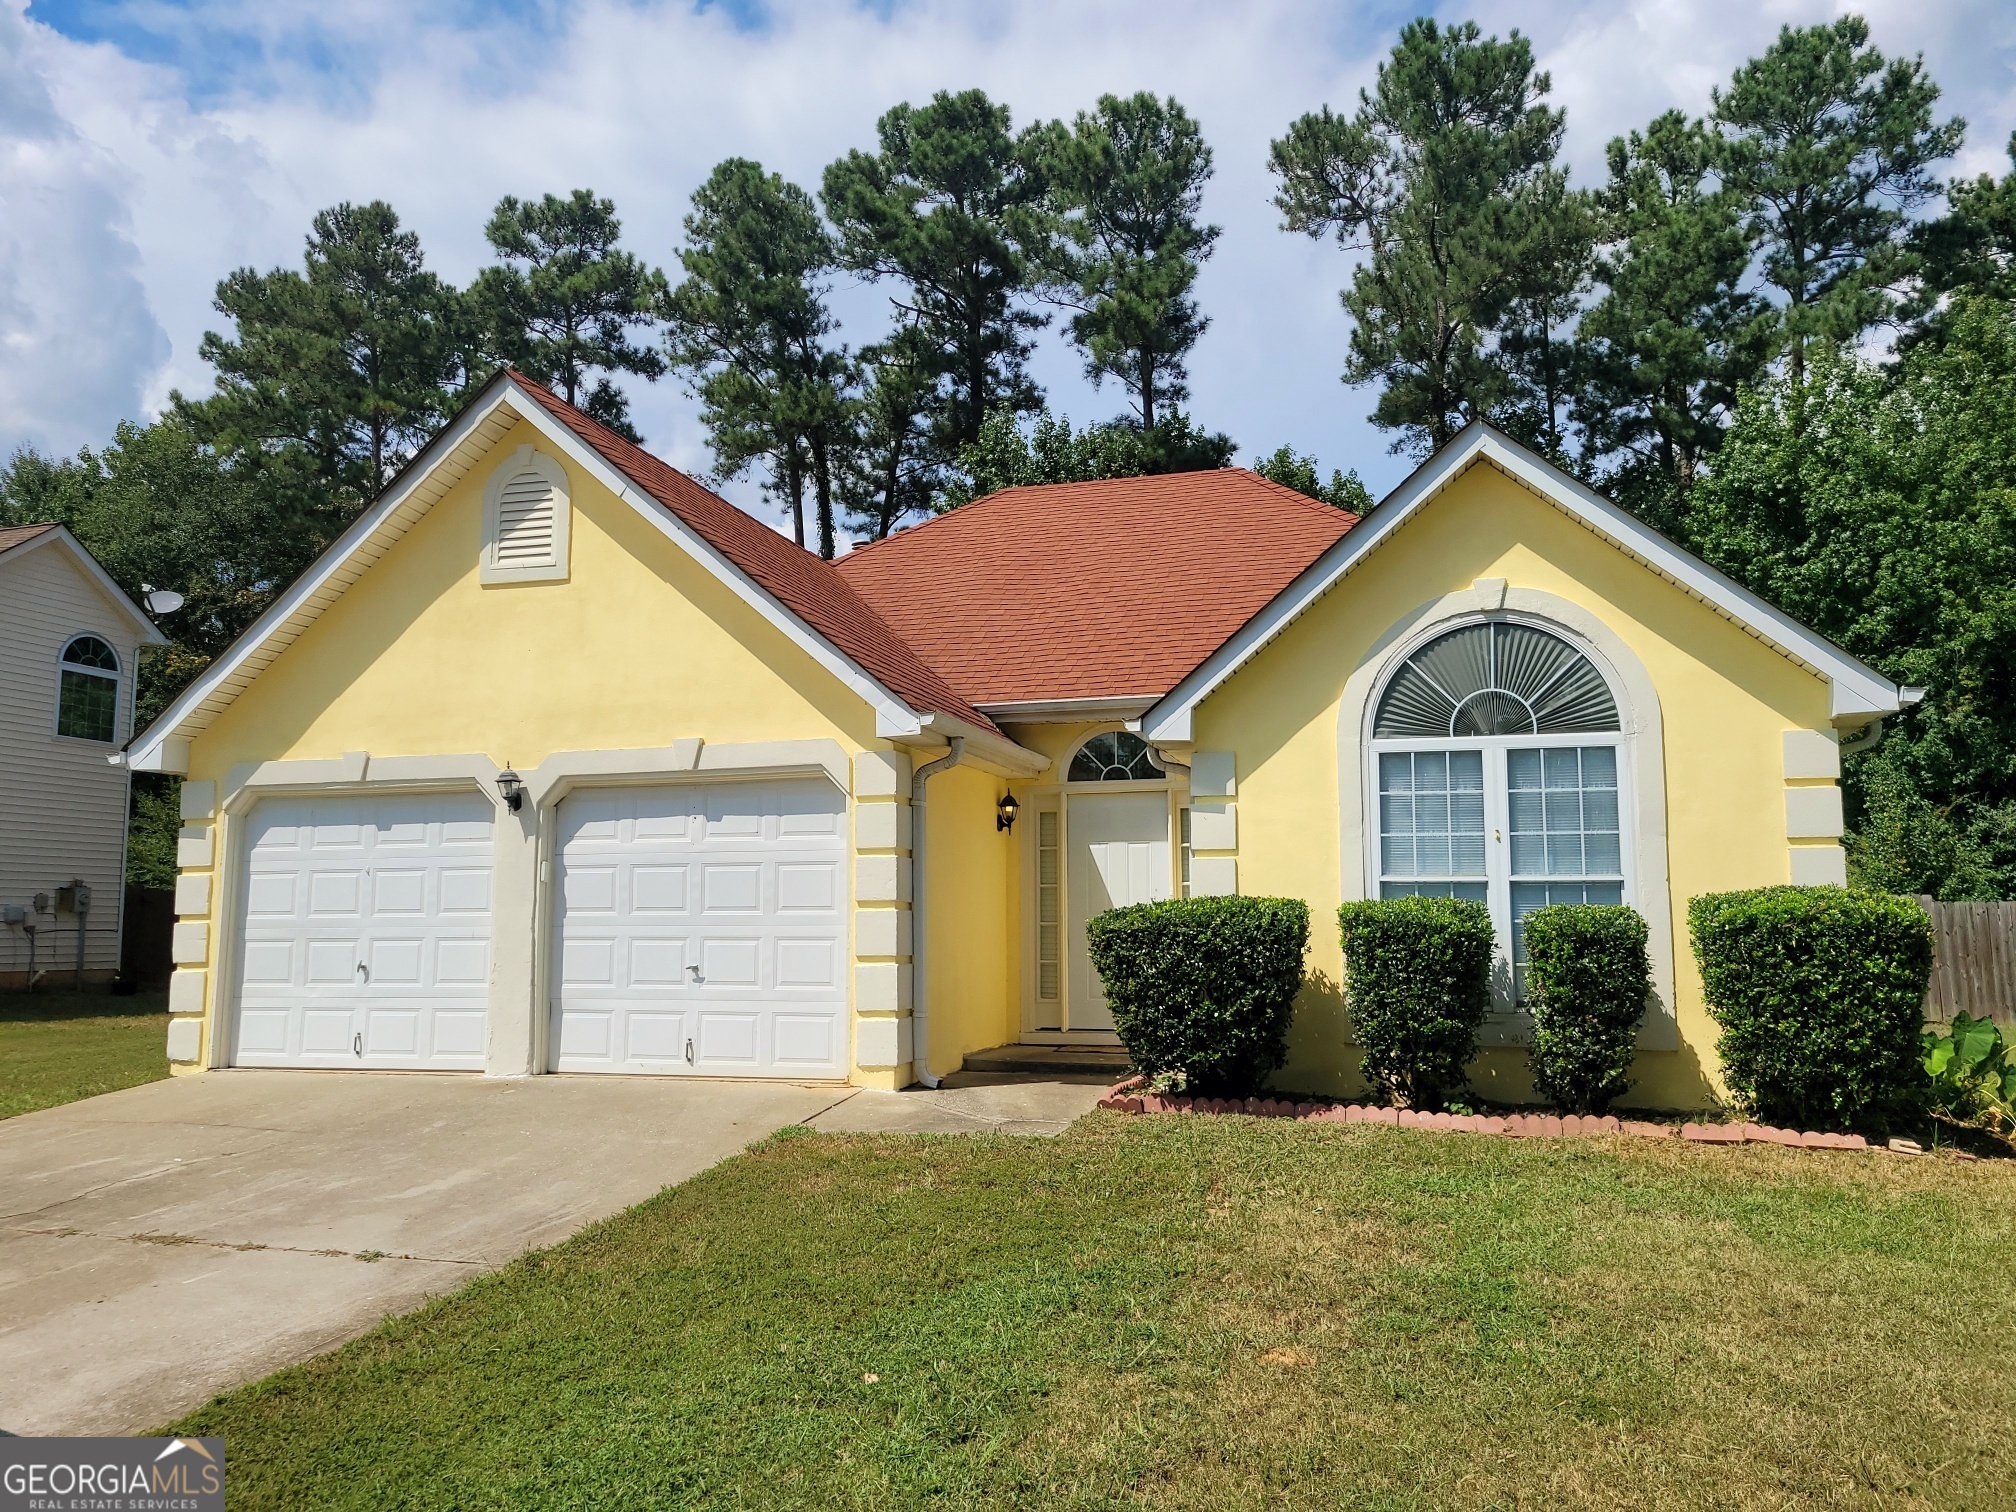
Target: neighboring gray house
(70, 644)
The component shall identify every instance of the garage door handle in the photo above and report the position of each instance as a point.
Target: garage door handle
(357, 1046)
(689, 1052)
(364, 972)
(695, 972)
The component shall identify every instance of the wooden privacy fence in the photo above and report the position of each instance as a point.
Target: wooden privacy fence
(1973, 962)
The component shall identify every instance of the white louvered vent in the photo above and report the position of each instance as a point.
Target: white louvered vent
(526, 511)
(526, 514)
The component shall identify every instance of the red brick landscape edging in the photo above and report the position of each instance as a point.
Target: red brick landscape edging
(1125, 1097)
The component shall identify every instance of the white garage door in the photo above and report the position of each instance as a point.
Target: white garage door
(366, 933)
(702, 930)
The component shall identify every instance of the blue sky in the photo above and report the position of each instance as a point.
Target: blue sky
(147, 148)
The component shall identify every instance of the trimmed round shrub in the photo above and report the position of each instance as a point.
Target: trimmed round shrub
(1203, 986)
(1587, 982)
(1417, 979)
(1820, 994)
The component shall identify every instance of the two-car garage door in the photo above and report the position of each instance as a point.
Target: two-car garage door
(697, 929)
(701, 929)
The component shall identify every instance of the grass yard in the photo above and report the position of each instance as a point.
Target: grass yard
(56, 1047)
(1200, 1313)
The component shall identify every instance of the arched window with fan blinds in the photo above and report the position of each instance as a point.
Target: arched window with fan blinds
(1495, 757)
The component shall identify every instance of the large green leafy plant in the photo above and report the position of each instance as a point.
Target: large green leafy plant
(1973, 1075)
(1417, 974)
(1203, 989)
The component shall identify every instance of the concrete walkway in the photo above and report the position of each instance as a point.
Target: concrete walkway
(169, 1242)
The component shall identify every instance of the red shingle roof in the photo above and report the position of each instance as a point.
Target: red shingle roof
(1091, 590)
(805, 584)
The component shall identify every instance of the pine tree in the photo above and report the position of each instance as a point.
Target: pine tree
(1675, 333)
(1830, 145)
(893, 468)
(949, 208)
(348, 364)
(1129, 178)
(1972, 248)
(749, 325)
(564, 305)
(1439, 177)
(1536, 337)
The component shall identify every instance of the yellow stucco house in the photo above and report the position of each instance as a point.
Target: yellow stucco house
(558, 762)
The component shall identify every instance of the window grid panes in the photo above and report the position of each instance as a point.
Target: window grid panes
(87, 694)
(1049, 912)
(1512, 825)
(1431, 814)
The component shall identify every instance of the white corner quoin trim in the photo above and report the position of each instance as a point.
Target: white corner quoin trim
(440, 465)
(1860, 693)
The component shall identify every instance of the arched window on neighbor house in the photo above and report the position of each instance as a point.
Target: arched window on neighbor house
(1495, 755)
(87, 691)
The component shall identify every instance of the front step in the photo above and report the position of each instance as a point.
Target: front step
(1054, 1060)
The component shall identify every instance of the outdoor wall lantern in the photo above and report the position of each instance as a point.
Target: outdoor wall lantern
(1005, 812)
(512, 787)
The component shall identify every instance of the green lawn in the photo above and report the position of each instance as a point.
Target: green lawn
(56, 1047)
(1208, 1313)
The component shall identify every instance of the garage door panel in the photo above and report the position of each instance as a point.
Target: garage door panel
(743, 881)
(366, 933)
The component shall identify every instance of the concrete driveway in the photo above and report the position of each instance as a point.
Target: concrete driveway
(162, 1244)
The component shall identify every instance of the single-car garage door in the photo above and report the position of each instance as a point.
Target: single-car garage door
(366, 928)
(701, 929)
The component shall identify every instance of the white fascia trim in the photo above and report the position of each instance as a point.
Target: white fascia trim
(1069, 710)
(100, 578)
(1859, 692)
(984, 749)
(145, 752)
(892, 716)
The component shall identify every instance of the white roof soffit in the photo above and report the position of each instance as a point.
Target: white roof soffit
(1858, 692)
(100, 578)
(441, 464)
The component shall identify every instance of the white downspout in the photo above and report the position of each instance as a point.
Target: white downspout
(920, 1031)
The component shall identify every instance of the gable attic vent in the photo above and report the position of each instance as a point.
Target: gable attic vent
(525, 520)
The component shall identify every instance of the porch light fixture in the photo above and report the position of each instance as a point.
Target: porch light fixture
(512, 787)
(1005, 812)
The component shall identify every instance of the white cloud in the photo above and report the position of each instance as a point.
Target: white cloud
(130, 188)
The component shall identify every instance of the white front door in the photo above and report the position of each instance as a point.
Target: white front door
(366, 933)
(702, 929)
(1119, 854)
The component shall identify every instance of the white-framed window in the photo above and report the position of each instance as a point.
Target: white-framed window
(87, 690)
(527, 515)
(1496, 775)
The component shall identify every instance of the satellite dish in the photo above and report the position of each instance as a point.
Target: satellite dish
(162, 600)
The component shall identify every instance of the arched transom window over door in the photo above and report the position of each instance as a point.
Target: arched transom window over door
(1115, 756)
(1495, 754)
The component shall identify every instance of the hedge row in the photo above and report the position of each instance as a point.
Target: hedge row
(1818, 992)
